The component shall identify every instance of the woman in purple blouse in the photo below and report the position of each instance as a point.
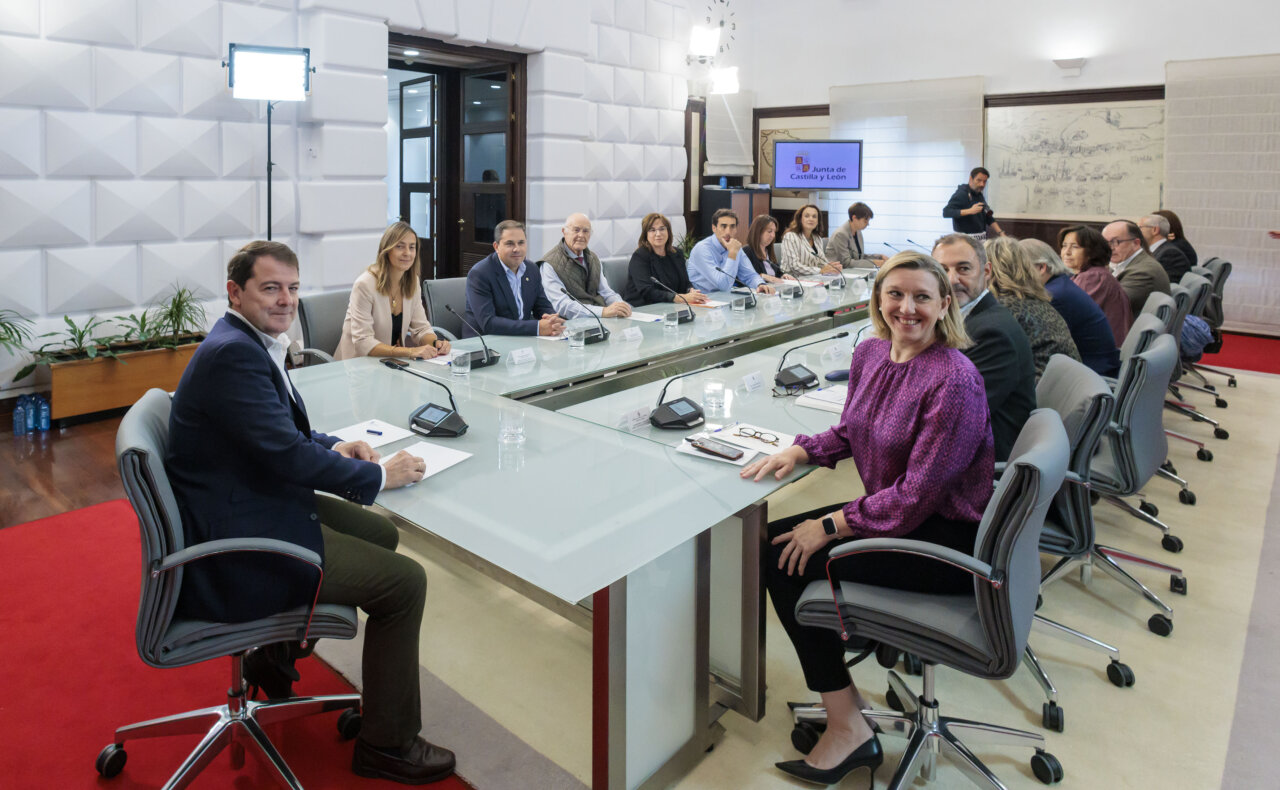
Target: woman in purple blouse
(916, 424)
(1086, 252)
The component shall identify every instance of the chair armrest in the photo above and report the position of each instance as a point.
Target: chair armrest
(229, 545)
(920, 548)
(1075, 479)
(444, 334)
(314, 353)
(1000, 467)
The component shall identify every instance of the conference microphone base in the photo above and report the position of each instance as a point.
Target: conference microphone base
(598, 336)
(677, 415)
(479, 359)
(431, 419)
(796, 377)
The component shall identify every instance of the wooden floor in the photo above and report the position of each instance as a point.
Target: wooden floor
(57, 471)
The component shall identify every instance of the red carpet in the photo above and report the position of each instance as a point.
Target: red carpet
(71, 672)
(1245, 352)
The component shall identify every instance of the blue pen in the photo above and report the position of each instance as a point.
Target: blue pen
(372, 431)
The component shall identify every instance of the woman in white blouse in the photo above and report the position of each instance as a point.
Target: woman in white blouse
(804, 250)
(385, 317)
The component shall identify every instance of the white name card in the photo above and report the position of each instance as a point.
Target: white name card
(634, 420)
(521, 356)
(753, 382)
(632, 334)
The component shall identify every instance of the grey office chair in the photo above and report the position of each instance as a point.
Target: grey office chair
(1084, 403)
(1134, 447)
(321, 317)
(1219, 271)
(1161, 306)
(616, 273)
(165, 639)
(982, 635)
(451, 291)
(1195, 291)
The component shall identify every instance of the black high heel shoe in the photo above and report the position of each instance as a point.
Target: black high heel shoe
(868, 754)
(270, 668)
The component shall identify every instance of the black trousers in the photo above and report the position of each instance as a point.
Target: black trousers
(821, 650)
(362, 568)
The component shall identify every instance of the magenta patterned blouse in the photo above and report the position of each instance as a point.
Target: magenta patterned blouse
(920, 434)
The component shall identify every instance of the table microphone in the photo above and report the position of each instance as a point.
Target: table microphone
(489, 357)
(431, 419)
(681, 413)
(921, 246)
(604, 333)
(890, 246)
(682, 318)
(750, 292)
(799, 375)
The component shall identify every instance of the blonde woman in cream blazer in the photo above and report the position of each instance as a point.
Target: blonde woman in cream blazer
(391, 286)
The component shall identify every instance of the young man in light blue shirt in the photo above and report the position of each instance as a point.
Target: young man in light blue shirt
(721, 250)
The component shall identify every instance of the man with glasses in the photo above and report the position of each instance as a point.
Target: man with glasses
(570, 269)
(1138, 272)
(1155, 230)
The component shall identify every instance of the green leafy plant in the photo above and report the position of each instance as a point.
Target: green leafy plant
(139, 327)
(686, 243)
(15, 331)
(75, 341)
(180, 314)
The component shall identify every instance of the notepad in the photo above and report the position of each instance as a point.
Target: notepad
(637, 315)
(826, 399)
(437, 458)
(387, 433)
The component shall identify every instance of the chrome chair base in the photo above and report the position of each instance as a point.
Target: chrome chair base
(929, 735)
(237, 723)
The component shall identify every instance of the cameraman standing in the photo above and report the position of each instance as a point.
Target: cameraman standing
(968, 210)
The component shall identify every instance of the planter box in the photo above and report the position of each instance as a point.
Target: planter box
(83, 386)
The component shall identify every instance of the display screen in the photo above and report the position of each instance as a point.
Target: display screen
(681, 408)
(799, 371)
(817, 164)
(433, 414)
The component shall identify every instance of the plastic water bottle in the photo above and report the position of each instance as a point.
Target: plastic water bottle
(20, 419)
(32, 416)
(43, 421)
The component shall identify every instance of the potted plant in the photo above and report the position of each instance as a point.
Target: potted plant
(15, 332)
(93, 371)
(686, 244)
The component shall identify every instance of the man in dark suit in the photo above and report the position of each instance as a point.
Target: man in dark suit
(504, 292)
(1155, 231)
(244, 462)
(1139, 273)
(1000, 350)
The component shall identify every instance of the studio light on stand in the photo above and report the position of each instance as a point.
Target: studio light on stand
(270, 74)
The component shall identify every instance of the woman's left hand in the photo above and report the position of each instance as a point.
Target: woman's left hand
(807, 537)
(442, 346)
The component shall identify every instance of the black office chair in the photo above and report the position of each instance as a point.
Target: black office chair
(167, 640)
(451, 291)
(321, 317)
(1219, 270)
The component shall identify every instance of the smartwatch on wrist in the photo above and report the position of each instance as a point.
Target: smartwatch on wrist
(829, 525)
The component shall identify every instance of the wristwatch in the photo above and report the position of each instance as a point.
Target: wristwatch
(829, 525)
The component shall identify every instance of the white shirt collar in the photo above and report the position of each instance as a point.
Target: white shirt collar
(1116, 268)
(1156, 244)
(277, 347)
(964, 309)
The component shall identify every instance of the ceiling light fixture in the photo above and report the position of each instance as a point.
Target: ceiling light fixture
(1071, 67)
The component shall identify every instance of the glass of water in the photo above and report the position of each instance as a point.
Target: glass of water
(713, 395)
(837, 286)
(577, 334)
(671, 321)
(738, 304)
(511, 424)
(460, 365)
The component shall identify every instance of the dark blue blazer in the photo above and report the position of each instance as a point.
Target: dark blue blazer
(244, 462)
(1002, 354)
(1088, 325)
(491, 307)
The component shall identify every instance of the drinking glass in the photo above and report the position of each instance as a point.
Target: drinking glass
(460, 365)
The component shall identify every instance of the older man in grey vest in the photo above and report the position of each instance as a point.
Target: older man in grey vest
(570, 269)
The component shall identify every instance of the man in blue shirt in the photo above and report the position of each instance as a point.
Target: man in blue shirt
(722, 251)
(504, 292)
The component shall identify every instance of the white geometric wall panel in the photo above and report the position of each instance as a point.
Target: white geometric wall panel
(629, 14)
(644, 52)
(438, 17)
(671, 127)
(244, 150)
(473, 21)
(352, 151)
(177, 148)
(658, 19)
(567, 25)
(550, 158)
(558, 115)
(135, 210)
(345, 42)
(611, 199)
(644, 125)
(552, 201)
(657, 90)
(612, 122)
(136, 81)
(205, 93)
(628, 86)
(671, 198)
(657, 163)
(613, 46)
(398, 13)
(39, 213)
(96, 21)
(188, 28)
(244, 24)
(334, 261)
(602, 12)
(338, 96)
(602, 241)
(23, 280)
(598, 161)
(284, 205)
(195, 264)
(643, 196)
(19, 142)
(556, 73)
(90, 144)
(21, 17)
(217, 208)
(334, 207)
(91, 279)
(597, 82)
(508, 20)
(628, 161)
(44, 73)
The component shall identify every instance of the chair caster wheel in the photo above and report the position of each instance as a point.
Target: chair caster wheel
(1149, 509)
(1160, 625)
(1171, 543)
(1178, 584)
(1120, 675)
(1039, 601)
(1220, 403)
(805, 735)
(1204, 454)
(1187, 497)
(1169, 467)
(111, 760)
(912, 664)
(1221, 433)
(349, 722)
(891, 699)
(887, 656)
(1053, 717)
(1046, 768)
(1094, 498)
(1210, 387)
(1231, 383)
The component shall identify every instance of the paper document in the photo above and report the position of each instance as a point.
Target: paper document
(735, 434)
(554, 337)
(826, 399)
(687, 449)
(375, 432)
(437, 458)
(637, 315)
(713, 303)
(444, 359)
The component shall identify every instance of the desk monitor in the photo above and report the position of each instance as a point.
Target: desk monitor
(811, 165)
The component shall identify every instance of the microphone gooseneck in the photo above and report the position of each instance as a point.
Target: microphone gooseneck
(674, 292)
(485, 345)
(836, 336)
(740, 283)
(391, 363)
(728, 363)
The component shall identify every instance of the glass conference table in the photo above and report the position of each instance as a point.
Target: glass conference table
(543, 517)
